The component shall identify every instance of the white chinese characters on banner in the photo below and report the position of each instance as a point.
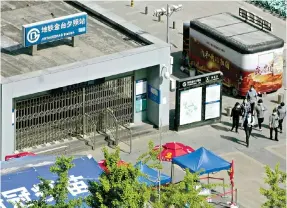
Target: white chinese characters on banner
(77, 186)
(64, 25)
(21, 195)
(36, 190)
(57, 26)
(69, 24)
(18, 195)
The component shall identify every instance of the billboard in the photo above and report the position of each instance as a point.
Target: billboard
(190, 105)
(54, 29)
(198, 100)
(264, 70)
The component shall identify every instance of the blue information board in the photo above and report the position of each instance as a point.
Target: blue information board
(54, 29)
(154, 94)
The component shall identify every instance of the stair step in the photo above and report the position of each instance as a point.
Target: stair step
(84, 144)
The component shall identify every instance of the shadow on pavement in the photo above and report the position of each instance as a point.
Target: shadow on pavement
(256, 135)
(220, 128)
(233, 139)
(227, 123)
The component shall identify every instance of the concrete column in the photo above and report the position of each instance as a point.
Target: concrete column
(74, 41)
(7, 139)
(34, 50)
(164, 89)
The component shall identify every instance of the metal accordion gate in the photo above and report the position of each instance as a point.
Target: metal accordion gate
(75, 112)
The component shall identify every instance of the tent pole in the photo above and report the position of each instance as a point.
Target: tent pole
(172, 173)
(160, 146)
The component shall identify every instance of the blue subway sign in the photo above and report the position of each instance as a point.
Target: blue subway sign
(54, 29)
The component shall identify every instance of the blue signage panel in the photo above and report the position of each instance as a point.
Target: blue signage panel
(154, 94)
(23, 186)
(54, 29)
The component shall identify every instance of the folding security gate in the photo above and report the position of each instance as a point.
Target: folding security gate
(75, 112)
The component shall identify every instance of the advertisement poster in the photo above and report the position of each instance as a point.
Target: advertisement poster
(212, 110)
(212, 102)
(141, 86)
(190, 106)
(212, 93)
(141, 103)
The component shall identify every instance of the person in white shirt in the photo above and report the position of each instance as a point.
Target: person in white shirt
(248, 124)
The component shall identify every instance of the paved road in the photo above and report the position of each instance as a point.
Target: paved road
(249, 162)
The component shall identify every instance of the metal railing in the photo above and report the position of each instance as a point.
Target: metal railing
(116, 131)
(125, 136)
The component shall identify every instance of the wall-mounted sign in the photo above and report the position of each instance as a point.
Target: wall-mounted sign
(141, 86)
(13, 117)
(54, 29)
(154, 94)
(212, 101)
(141, 102)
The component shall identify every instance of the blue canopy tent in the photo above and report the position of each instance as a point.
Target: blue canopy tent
(19, 177)
(152, 176)
(202, 160)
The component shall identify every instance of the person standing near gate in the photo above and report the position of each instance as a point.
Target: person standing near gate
(235, 114)
(251, 96)
(274, 124)
(260, 109)
(282, 114)
(248, 124)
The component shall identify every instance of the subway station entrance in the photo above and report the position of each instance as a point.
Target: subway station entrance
(78, 110)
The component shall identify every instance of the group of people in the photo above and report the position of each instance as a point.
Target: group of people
(252, 106)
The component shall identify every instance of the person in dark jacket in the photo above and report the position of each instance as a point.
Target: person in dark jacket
(235, 114)
(245, 107)
(248, 124)
(274, 124)
(260, 109)
(282, 114)
(251, 96)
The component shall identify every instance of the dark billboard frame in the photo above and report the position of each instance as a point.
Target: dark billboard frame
(192, 83)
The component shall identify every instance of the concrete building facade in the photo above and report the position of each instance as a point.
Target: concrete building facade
(149, 60)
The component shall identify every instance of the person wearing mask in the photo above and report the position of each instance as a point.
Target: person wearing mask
(235, 114)
(251, 96)
(281, 110)
(248, 124)
(260, 109)
(273, 124)
(245, 107)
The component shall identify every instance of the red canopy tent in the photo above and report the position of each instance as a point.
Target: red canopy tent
(103, 164)
(18, 155)
(173, 149)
